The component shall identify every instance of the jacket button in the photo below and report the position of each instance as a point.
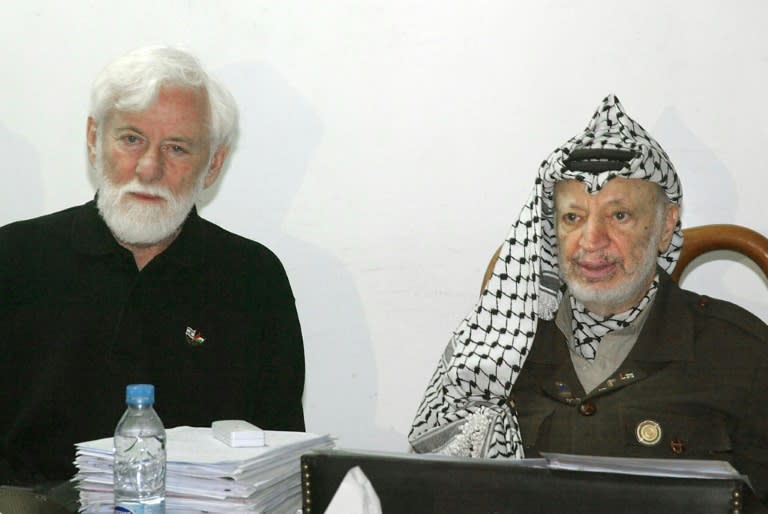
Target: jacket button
(648, 432)
(703, 302)
(587, 408)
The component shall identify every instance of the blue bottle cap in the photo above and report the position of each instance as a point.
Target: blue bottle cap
(140, 394)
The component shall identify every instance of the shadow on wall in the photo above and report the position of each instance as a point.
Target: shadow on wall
(22, 197)
(709, 196)
(709, 190)
(279, 133)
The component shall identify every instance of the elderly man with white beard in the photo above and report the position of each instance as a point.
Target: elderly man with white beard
(581, 342)
(135, 287)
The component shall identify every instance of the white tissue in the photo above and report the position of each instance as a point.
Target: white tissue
(355, 494)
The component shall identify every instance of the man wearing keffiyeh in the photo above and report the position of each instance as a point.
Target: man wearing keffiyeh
(581, 343)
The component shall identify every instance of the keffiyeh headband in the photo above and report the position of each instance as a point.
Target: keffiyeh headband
(465, 408)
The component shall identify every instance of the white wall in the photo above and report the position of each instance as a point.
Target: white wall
(387, 145)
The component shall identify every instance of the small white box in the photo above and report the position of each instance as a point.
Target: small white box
(238, 433)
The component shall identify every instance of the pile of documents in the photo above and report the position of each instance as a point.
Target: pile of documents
(205, 475)
(674, 468)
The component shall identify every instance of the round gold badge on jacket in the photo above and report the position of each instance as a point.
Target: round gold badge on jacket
(648, 432)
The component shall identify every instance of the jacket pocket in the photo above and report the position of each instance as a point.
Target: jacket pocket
(663, 433)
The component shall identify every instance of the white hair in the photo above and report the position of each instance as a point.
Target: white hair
(132, 82)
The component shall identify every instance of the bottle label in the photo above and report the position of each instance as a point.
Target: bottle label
(125, 507)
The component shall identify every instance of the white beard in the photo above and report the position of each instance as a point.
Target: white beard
(137, 223)
(632, 288)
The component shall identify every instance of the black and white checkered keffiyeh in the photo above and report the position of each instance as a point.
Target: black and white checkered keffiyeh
(465, 409)
(590, 328)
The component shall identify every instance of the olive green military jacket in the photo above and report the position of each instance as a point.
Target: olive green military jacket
(695, 385)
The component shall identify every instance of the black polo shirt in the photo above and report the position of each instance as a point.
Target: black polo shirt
(211, 322)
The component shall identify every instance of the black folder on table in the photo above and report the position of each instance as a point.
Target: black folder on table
(424, 484)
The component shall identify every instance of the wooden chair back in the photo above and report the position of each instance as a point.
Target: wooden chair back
(709, 238)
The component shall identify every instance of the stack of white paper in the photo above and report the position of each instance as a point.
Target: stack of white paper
(206, 475)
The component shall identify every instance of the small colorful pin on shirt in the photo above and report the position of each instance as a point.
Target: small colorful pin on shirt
(194, 337)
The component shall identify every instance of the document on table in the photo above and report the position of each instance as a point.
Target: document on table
(678, 468)
(206, 475)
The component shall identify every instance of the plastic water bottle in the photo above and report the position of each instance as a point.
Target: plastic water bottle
(139, 466)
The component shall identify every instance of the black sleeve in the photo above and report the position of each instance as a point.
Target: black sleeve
(281, 383)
